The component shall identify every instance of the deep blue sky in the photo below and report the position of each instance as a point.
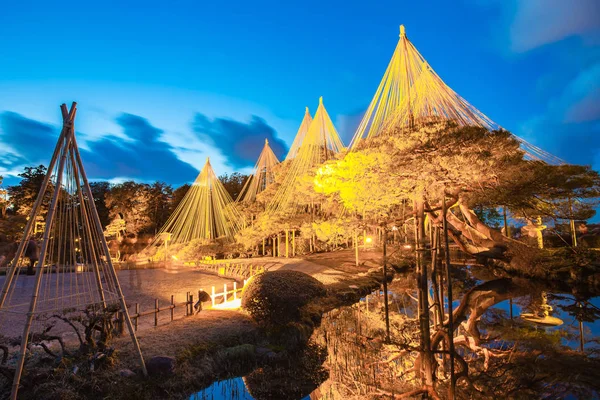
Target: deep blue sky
(162, 85)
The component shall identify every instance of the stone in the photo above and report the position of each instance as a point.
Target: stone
(161, 365)
(261, 351)
(126, 373)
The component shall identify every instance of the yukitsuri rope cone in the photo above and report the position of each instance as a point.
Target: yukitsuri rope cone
(74, 271)
(206, 212)
(304, 125)
(321, 143)
(263, 175)
(411, 92)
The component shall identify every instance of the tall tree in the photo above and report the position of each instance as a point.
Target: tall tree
(24, 194)
(3, 199)
(130, 201)
(233, 183)
(99, 191)
(178, 195)
(159, 204)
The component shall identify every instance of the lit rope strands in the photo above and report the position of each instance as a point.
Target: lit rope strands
(299, 136)
(263, 174)
(320, 144)
(411, 92)
(72, 272)
(206, 212)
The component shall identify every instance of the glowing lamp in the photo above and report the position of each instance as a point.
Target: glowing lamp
(369, 240)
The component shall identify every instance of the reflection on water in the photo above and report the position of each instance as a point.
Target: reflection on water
(229, 389)
(361, 363)
(564, 308)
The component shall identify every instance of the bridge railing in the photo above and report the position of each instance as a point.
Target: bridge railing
(230, 270)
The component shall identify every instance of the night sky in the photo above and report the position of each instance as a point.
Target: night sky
(162, 85)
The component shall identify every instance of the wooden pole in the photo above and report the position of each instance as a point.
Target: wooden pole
(90, 242)
(32, 216)
(506, 228)
(263, 243)
(121, 323)
(572, 226)
(385, 288)
(294, 243)
(427, 372)
(356, 248)
(137, 316)
(287, 244)
(438, 301)
(68, 124)
(155, 312)
(172, 306)
(581, 339)
(450, 310)
(111, 268)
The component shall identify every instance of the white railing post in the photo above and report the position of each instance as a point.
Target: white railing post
(234, 290)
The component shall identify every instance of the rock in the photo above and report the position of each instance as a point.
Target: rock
(126, 373)
(161, 365)
(261, 351)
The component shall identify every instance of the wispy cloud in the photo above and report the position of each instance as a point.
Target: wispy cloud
(240, 143)
(540, 22)
(142, 155)
(138, 150)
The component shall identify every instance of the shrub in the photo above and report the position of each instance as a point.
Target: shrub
(275, 298)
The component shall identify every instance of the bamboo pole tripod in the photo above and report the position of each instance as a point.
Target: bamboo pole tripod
(72, 238)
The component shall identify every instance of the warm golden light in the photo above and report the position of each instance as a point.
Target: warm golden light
(369, 240)
(206, 212)
(263, 175)
(321, 142)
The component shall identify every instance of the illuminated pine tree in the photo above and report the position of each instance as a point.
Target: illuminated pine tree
(299, 138)
(263, 175)
(206, 212)
(412, 93)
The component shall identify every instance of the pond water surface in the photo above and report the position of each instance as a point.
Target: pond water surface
(344, 325)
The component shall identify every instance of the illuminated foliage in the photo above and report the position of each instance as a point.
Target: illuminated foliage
(361, 181)
(320, 144)
(3, 199)
(130, 202)
(23, 195)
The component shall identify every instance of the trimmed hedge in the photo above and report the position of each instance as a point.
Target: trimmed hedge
(275, 298)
